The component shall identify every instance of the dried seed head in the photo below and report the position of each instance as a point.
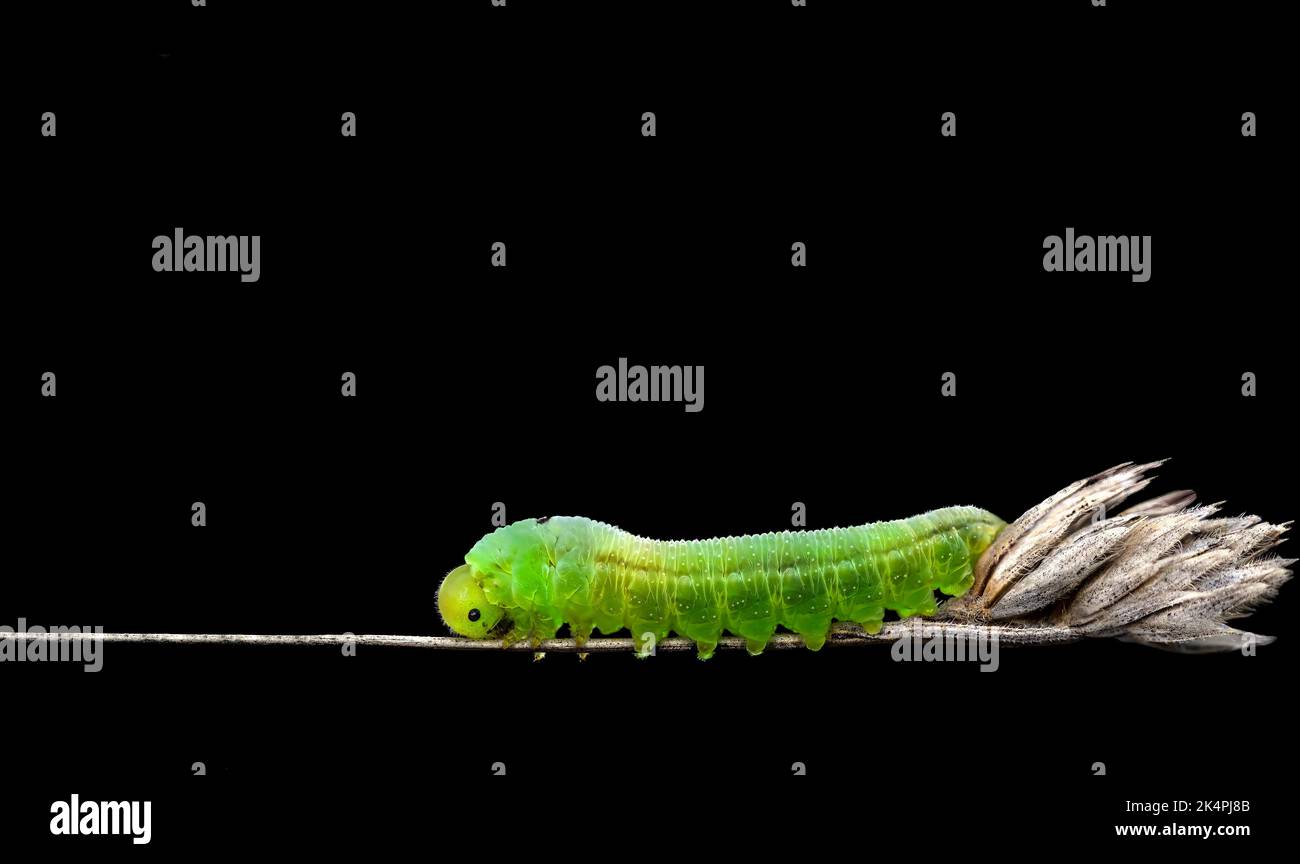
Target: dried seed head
(1030, 538)
(1163, 572)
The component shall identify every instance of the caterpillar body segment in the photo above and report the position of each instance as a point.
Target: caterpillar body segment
(537, 575)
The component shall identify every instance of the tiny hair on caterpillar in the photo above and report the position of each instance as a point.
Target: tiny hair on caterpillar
(1163, 572)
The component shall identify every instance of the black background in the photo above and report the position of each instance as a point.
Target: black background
(476, 385)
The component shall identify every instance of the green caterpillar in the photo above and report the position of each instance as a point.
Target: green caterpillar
(527, 579)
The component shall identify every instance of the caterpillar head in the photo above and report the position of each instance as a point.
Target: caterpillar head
(464, 606)
(515, 560)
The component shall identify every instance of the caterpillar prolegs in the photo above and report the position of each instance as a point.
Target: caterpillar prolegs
(528, 579)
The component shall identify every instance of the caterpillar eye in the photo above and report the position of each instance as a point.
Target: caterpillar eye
(474, 614)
